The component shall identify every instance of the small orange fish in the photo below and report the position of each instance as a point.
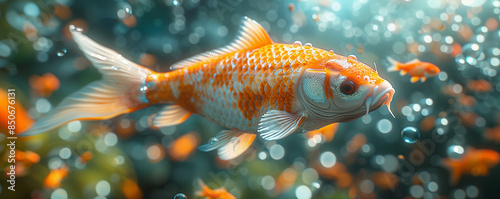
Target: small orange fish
(27, 157)
(417, 69)
(479, 85)
(253, 86)
(207, 193)
(475, 162)
(22, 119)
(53, 180)
(44, 85)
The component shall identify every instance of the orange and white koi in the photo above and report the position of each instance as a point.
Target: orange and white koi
(418, 70)
(206, 192)
(253, 86)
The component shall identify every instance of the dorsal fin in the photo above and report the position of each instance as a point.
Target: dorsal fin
(251, 35)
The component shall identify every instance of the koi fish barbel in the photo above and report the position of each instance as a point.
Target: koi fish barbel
(252, 86)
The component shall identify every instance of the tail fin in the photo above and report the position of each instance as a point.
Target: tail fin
(394, 64)
(120, 91)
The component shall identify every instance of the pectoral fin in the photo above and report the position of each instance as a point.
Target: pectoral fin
(275, 125)
(402, 72)
(423, 79)
(170, 116)
(229, 144)
(414, 79)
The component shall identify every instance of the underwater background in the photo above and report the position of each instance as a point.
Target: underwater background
(444, 141)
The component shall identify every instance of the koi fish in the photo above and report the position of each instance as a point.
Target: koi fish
(475, 162)
(418, 70)
(206, 192)
(253, 87)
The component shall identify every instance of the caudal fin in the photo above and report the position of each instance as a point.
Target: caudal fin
(120, 90)
(394, 64)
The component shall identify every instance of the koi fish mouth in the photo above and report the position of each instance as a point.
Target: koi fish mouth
(381, 95)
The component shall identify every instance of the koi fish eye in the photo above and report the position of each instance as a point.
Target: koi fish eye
(348, 87)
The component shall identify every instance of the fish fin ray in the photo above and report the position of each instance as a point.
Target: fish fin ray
(117, 93)
(423, 79)
(170, 116)
(414, 79)
(251, 35)
(230, 144)
(275, 124)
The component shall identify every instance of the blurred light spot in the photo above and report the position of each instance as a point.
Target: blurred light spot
(390, 163)
(472, 191)
(103, 188)
(406, 110)
(155, 152)
(429, 102)
(379, 159)
(459, 194)
(443, 76)
(59, 194)
(4, 50)
(43, 105)
(55, 163)
(110, 139)
(455, 151)
(327, 159)
(416, 107)
(416, 191)
(444, 121)
(262, 155)
(303, 192)
(432, 186)
(31, 9)
(309, 175)
(367, 186)
(384, 126)
(75, 126)
(277, 152)
(65, 153)
(267, 182)
(119, 160)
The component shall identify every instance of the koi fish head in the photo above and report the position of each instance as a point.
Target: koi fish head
(431, 70)
(339, 89)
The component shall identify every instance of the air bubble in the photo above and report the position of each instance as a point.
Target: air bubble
(62, 52)
(297, 43)
(177, 2)
(124, 10)
(410, 135)
(308, 44)
(213, 140)
(180, 196)
(352, 57)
